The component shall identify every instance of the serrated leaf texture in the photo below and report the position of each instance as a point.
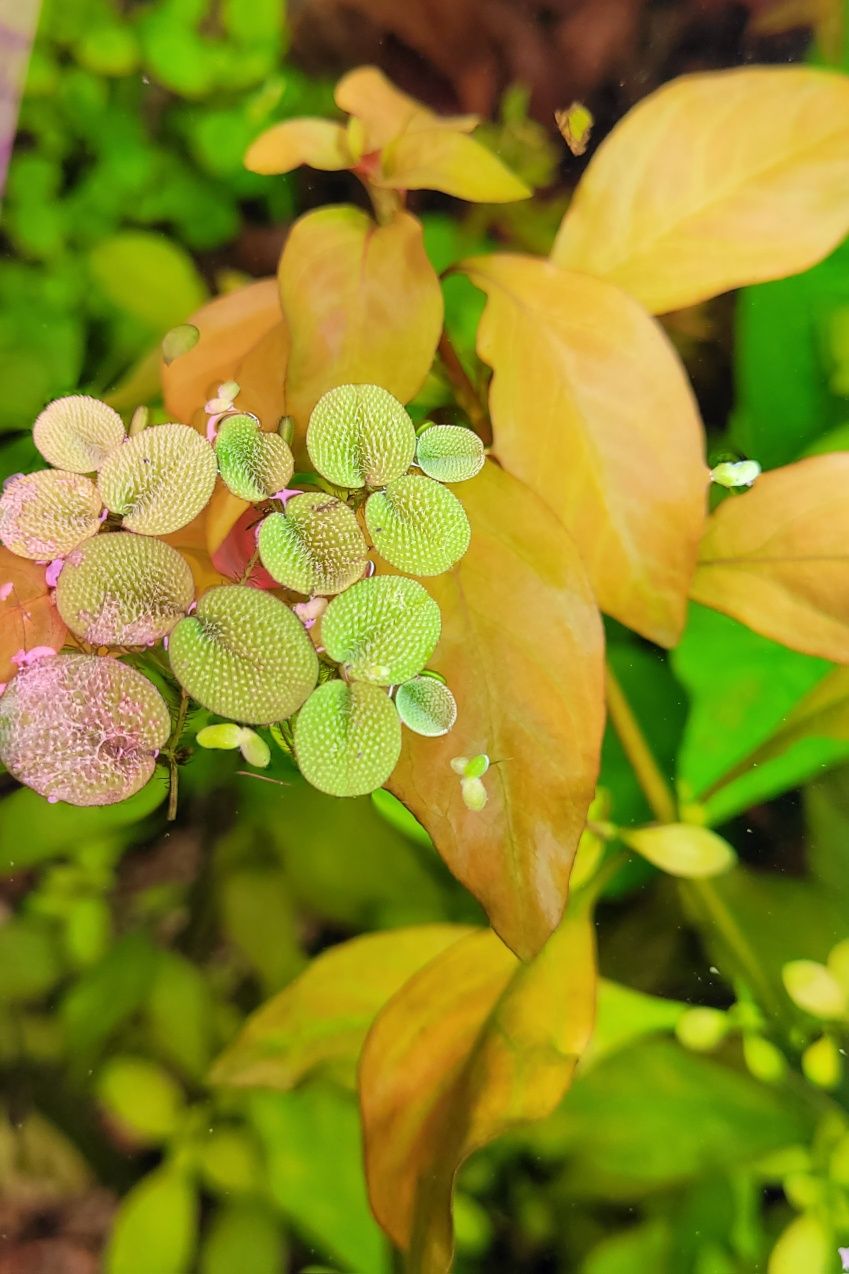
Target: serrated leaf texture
(160, 480)
(426, 706)
(315, 547)
(82, 728)
(382, 630)
(244, 655)
(360, 435)
(418, 525)
(449, 453)
(347, 738)
(123, 589)
(77, 433)
(253, 464)
(47, 514)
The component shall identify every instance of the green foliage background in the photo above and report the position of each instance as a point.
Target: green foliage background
(130, 954)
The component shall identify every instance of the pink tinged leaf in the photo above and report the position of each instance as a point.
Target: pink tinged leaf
(23, 658)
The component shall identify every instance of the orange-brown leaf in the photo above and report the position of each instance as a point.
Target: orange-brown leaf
(386, 112)
(592, 409)
(28, 615)
(472, 1046)
(522, 649)
(320, 143)
(229, 327)
(714, 181)
(362, 302)
(777, 557)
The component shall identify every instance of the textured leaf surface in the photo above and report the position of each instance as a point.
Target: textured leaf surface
(344, 281)
(320, 143)
(382, 629)
(82, 729)
(776, 558)
(418, 525)
(315, 547)
(468, 1049)
(46, 514)
(347, 738)
(714, 181)
(440, 159)
(77, 433)
(521, 647)
(254, 464)
(360, 435)
(449, 453)
(28, 614)
(123, 590)
(244, 655)
(321, 1019)
(160, 480)
(426, 706)
(593, 411)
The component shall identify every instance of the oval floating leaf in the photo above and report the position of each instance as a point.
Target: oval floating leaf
(124, 590)
(733, 177)
(344, 284)
(160, 480)
(347, 738)
(449, 453)
(77, 433)
(418, 525)
(254, 464)
(82, 729)
(426, 706)
(316, 546)
(47, 514)
(360, 436)
(179, 341)
(383, 629)
(28, 614)
(244, 655)
(682, 849)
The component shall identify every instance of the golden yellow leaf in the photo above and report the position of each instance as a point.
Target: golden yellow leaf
(522, 650)
(386, 112)
(437, 159)
(714, 181)
(592, 409)
(321, 1019)
(28, 614)
(362, 302)
(777, 557)
(682, 849)
(474, 1045)
(320, 143)
(229, 327)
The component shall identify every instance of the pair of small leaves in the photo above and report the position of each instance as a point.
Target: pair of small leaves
(244, 655)
(82, 729)
(124, 590)
(228, 736)
(47, 514)
(315, 546)
(254, 464)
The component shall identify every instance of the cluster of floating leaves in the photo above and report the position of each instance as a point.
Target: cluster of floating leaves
(338, 654)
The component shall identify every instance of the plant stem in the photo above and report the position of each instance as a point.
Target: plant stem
(655, 787)
(467, 395)
(173, 769)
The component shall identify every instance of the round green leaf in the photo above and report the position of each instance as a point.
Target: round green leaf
(253, 464)
(47, 514)
(347, 738)
(360, 436)
(123, 590)
(77, 433)
(82, 729)
(160, 480)
(225, 735)
(244, 655)
(383, 629)
(418, 525)
(814, 988)
(316, 546)
(141, 1096)
(179, 341)
(426, 706)
(449, 453)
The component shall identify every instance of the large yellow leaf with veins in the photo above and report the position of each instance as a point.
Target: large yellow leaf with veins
(592, 409)
(715, 181)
